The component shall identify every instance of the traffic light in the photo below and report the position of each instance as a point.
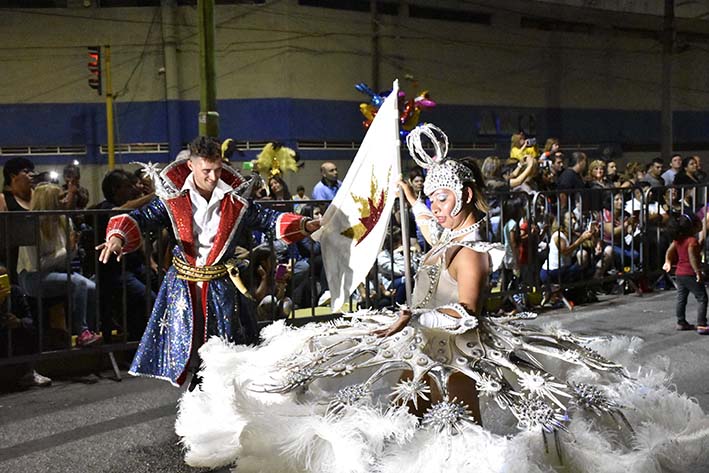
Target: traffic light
(95, 68)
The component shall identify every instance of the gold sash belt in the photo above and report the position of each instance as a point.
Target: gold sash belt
(207, 273)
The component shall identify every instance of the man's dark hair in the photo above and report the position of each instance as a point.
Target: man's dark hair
(111, 182)
(71, 170)
(659, 161)
(206, 147)
(14, 166)
(576, 157)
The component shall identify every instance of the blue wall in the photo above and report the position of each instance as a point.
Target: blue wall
(289, 120)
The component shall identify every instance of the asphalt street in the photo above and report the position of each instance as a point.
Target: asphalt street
(127, 426)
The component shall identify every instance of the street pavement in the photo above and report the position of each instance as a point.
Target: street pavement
(127, 426)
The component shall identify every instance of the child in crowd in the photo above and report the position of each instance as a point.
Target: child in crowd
(685, 250)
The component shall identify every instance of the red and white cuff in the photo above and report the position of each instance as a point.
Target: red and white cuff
(290, 227)
(126, 228)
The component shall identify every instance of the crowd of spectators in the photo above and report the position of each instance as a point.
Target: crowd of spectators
(562, 218)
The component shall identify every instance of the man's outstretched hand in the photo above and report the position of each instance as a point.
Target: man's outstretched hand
(114, 245)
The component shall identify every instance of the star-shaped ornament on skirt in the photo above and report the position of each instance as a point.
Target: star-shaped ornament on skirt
(370, 210)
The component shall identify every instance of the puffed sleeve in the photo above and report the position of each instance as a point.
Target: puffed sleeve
(128, 226)
(288, 227)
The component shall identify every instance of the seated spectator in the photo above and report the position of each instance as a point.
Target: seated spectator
(74, 196)
(17, 326)
(122, 190)
(391, 267)
(269, 285)
(310, 249)
(42, 270)
(299, 195)
(618, 233)
(566, 258)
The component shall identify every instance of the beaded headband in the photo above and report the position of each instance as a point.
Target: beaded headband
(443, 173)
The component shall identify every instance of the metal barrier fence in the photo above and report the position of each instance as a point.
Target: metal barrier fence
(626, 249)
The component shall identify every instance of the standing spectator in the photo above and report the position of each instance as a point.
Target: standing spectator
(701, 175)
(597, 175)
(688, 174)
(612, 178)
(46, 276)
(74, 196)
(18, 174)
(686, 251)
(675, 166)
(653, 174)
(634, 173)
(570, 179)
(416, 183)
(299, 195)
(328, 185)
(558, 164)
(17, 191)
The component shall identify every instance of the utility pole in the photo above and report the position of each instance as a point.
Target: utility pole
(668, 40)
(375, 44)
(109, 109)
(208, 116)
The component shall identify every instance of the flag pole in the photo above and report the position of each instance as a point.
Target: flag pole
(404, 212)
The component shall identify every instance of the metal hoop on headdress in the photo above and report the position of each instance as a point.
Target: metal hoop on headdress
(415, 143)
(443, 173)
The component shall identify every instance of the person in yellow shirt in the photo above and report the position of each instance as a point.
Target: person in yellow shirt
(522, 146)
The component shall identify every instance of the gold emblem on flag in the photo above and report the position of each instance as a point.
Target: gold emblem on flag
(370, 209)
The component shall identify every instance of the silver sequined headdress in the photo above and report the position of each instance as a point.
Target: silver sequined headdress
(443, 173)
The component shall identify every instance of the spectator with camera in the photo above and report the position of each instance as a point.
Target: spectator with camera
(522, 146)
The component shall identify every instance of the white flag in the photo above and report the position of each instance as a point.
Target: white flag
(355, 223)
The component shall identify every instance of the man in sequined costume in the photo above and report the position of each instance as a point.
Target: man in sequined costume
(199, 200)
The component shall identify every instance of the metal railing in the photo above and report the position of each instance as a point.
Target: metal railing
(629, 221)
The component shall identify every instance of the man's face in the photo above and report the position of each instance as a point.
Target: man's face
(676, 162)
(558, 164)
(206, 173)
(656, 169)
(329, 172)
(124, 192)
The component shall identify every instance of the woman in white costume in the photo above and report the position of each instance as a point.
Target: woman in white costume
(382, 392)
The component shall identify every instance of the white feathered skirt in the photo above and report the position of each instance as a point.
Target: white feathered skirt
(321, 399)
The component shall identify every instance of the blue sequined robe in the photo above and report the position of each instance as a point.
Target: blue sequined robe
(165, 347)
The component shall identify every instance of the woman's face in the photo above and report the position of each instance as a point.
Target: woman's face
(691, 167)
(442, 204)
(598, 173)
(612, 168)
(317, 213)
(618, 202)
(555, 147)
(417, 184)
(276, 186)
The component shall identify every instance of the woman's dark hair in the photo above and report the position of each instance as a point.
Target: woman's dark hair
(415, 172)
(683, 225)
(14, 166)
(478, 187)
(307, 210)
(686, 161)
(284, 186)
